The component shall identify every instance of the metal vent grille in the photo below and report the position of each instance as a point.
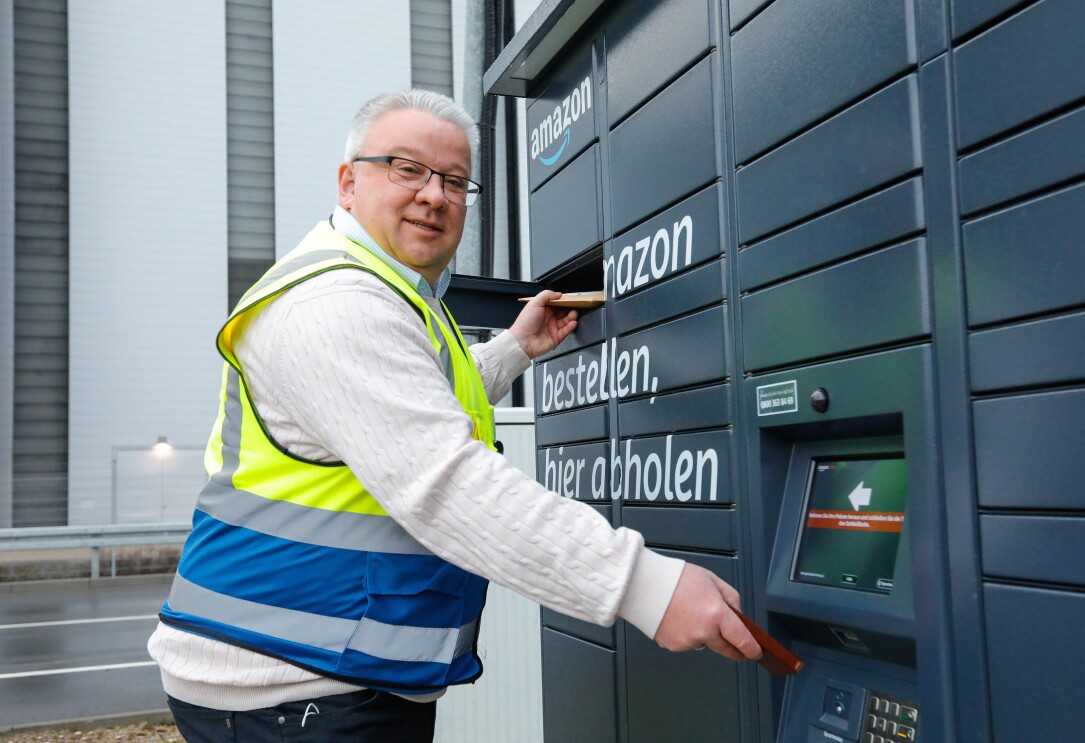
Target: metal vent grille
(250, 143)
(40, 422)
(431, 45)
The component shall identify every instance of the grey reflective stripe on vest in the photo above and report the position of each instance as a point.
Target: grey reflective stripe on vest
(230, 436)
(300, 262)
(446, 354)
(340, 529)
(316, 630)
(415, 644)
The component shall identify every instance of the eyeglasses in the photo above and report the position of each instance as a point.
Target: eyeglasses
(415, 176)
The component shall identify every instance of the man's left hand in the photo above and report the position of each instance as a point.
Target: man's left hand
(539, 328)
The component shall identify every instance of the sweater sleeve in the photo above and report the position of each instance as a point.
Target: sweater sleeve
(354, 375)
(500, 361)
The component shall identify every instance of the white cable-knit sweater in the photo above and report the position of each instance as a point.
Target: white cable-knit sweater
(341, 368)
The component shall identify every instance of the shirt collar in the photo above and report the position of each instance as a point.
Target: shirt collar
(345, 224)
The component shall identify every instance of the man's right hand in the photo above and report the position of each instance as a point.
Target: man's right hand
(700, 615)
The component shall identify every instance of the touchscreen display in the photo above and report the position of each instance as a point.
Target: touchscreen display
(852, 524)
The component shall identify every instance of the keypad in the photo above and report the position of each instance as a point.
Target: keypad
(889, 719)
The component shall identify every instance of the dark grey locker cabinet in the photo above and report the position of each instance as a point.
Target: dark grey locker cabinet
(699, 701)
(1019, 91)
(837, 239)
(578, 690)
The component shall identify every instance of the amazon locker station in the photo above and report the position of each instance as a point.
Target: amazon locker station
(840, 361)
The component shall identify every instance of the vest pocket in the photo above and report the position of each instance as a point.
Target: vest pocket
(415, 590)
(419, 626)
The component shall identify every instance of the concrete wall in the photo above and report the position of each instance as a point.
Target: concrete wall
(506, 703)
(330, 57)
(148, 231)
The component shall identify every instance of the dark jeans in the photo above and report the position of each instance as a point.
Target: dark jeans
(359, 717)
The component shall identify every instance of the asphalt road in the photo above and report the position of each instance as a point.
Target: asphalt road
(76, 650)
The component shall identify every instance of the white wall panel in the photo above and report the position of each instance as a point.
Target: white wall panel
(330, 57)
(505, 705)
(459, 50)
(148, 230)
(523, 10)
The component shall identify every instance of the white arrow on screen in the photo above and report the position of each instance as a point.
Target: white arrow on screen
(859, 497)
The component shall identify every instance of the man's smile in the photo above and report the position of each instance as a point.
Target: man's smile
(428, 226)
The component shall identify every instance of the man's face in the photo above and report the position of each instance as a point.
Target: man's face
(420, 229)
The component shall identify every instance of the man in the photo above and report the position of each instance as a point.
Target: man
(331, 587)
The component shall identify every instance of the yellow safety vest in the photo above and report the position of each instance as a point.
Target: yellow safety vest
(294, 558)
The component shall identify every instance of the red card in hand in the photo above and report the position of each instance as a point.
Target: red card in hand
(775, 658)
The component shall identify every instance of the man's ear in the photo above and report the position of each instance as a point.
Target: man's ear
(346, 186)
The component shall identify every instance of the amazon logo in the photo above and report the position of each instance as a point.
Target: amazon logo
(552, 133)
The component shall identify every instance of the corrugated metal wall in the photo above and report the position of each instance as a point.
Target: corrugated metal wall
(431, 45)
(40, 424)
(7, 254)
(250, 143)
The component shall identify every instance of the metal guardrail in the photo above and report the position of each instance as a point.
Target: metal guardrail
(512, 422)
(93, 537)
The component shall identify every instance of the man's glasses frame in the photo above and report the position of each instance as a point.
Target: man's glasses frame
(414, 175)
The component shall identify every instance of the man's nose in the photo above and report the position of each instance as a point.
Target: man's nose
(433, 192)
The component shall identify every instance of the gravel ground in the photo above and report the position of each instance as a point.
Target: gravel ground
(144, 732)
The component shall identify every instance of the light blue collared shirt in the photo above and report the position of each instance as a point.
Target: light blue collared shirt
(345, 224)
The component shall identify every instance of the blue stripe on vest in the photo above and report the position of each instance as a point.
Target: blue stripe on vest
(257, 567)
(415, 590)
